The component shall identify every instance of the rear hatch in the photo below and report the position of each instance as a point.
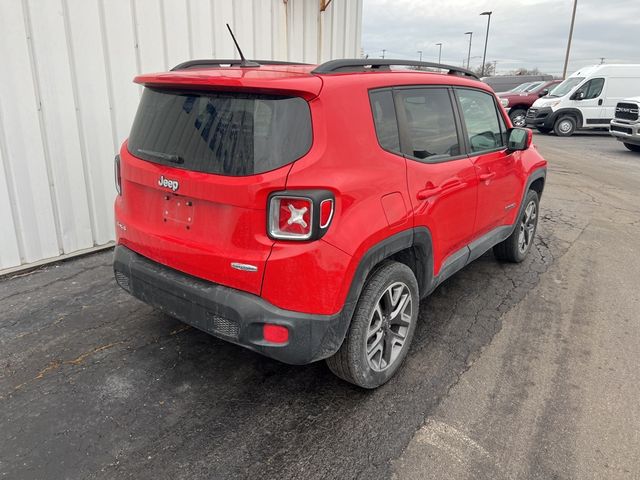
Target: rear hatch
(196, 172)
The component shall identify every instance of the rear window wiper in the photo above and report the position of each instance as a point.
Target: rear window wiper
(162, 156)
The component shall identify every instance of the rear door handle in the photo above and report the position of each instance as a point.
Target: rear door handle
(487, 176)
(431, 190)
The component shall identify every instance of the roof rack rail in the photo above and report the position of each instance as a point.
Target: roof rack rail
(233, 63)
(368, 64)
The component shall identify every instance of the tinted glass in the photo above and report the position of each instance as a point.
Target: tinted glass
(224, 133)
(431, 125)
(384, 117)
(481, 119)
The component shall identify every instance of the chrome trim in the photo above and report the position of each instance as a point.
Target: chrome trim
(245, 267)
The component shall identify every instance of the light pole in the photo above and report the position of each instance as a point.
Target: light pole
(486, 40)
(420, 53)
(383, 52)
(439, 53)
(566, 58)
(469, 55)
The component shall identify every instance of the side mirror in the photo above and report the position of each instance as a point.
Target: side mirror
(519, 139)
(543, 92)
(579, 95)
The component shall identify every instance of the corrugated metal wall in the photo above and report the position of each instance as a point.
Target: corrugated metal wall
(67, 101)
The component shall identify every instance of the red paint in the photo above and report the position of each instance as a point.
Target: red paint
(377, 193)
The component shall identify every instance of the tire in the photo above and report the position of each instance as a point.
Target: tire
(516, 247)
(544, 129)
(377, 342)
(632, 147)
(565, 126)
(518, 117)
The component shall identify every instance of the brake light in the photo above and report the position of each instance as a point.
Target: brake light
(275, 333)
(291, 217)
(116, 172)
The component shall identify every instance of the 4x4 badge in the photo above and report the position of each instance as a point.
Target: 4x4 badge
(165, 182)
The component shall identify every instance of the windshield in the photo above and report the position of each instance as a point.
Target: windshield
(220, 132)
(533, 86)
(520, 88)
(565, 87)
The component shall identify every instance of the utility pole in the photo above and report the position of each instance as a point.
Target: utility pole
(486, 40)
(469, 54)
(566, 58)
(383, 52)
(601, 60)
(420, 53)
(439, 53)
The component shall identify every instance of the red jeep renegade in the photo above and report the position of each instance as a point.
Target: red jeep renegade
(302, 211)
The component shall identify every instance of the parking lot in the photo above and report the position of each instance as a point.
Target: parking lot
(516, 371)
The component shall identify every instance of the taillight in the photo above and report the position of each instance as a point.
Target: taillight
(300, 215)
(290, 217)
(116, 171)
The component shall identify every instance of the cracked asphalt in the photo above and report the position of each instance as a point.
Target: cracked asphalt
(516, 371)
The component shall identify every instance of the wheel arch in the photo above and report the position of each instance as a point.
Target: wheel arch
(568, 112)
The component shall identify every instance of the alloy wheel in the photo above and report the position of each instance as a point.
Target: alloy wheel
(527, 226)
(389, 326)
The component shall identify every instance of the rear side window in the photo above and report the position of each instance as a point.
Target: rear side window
(384, 117)
(481, 117)
(234, 134)
(431, 125)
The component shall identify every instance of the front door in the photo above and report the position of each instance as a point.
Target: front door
(496, 168)
(589, 99)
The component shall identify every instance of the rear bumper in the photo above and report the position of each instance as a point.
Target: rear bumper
(625, 132)
(227, 313)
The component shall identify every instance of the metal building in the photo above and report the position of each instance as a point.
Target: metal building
(67, 98)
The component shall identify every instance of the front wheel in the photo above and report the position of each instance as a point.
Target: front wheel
(381, 329)
(518, 117)
(515, 248)
(565, 126)
(632, 147)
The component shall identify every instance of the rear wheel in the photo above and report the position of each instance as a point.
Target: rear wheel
(632, 147)
(544, 130)
(565, 126)
(381, 329)
(518, 117)
(515, 248)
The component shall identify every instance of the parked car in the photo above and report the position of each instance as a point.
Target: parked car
(504, 83)
(626, 124)
(303, 211)
(518, 101)
(585, 100)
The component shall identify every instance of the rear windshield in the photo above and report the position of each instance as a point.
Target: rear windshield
(225, 133)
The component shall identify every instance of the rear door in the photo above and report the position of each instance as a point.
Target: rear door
(441, 179)
(497, 169)
(196, 173)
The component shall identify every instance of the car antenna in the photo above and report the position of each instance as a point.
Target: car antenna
(244, 63)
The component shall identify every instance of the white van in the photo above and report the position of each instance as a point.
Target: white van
(587, 99)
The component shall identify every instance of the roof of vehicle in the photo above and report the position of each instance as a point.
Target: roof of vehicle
(604, 68)
(302, 79)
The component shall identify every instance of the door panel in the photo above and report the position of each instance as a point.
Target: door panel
(497, 169)
(592, 105)
(442, 183)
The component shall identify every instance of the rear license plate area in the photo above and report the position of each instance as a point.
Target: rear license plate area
(178, 209)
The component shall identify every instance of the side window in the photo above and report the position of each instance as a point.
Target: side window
(593, 88)
(384, 118)
(481, 118)
(431, 125)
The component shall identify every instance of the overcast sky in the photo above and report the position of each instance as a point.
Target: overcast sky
(524, 33)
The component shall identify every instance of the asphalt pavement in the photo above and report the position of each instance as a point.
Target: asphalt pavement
(516, 371)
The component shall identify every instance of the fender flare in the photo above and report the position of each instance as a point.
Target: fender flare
(572, 112)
